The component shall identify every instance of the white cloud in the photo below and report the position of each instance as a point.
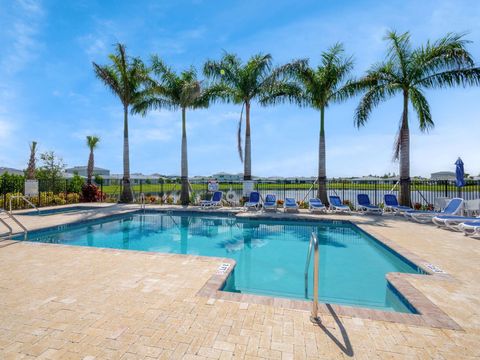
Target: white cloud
(98, 42)
(6, 129)
(23, 34)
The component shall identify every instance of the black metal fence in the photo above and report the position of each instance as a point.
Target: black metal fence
(167, 191)
(423, 192)
(51, 192)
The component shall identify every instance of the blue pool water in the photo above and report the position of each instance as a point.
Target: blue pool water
(270, 254)
(60, 210)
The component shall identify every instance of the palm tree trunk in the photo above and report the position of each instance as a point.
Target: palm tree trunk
(322, 172)
(31, 161)
(247, 170)
(90, 167)
(126, 196)
(184, 196)
(405, 155)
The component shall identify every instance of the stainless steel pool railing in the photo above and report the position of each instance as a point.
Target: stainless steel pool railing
(10, 230)
(24, 199)
(16, 221)
(313, 244)
(142, 201)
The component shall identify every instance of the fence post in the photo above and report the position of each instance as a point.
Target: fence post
(141, 186)
(375, 188)
(446, 188)
(161, 188)
(284, 189)
(101, 190)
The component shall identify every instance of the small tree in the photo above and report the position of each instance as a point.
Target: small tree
(92, 142)
(32, 161)
(51, 169)
(75, 185)
(98, 179)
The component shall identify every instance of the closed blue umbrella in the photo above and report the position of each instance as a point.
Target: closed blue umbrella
(460, 173)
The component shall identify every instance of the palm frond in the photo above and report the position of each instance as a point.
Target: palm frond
(371, 99)
(92, 141)
(108, 76)
(282, 92)
(422, 108)
(398, 141)
(447, 53)
(462, 77)
(399, 51)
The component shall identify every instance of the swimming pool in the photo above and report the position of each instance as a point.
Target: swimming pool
(59, 210)
(270, 254)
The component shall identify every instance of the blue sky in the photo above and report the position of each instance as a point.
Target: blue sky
(48, 91)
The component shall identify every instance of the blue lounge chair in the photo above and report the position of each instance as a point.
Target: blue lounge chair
(270, 203)
(290, 205)
(391, 204)
(337, 205)
(316, 205)
(365, 206)
(216, 200)
(454, 207)
(452, 221)
(253, 201)
(471, 228)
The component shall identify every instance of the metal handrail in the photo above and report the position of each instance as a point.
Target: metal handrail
(313, 244)
(10, 230)
(25, 230)
(142, 201)
(24, 199)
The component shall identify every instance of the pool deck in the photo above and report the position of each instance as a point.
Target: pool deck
(68, 302)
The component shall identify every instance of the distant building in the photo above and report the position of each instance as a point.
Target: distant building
(82, 171)
(4, 170)
(443, 175)
(375, 178)
(226, 177)
(135, 179)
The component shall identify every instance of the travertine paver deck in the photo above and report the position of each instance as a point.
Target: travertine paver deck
(64, 302)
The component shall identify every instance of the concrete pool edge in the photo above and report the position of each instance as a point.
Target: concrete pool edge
(430, 314)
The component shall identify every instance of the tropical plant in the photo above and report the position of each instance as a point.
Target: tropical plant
(168, 90)
(92, 143)
(407, 71)
(244, 83)
(124, 78)
(32, 160)
(52, 167)
(321, 86)
(98, 179)
(75, 184)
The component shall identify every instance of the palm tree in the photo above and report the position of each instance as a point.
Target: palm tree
(124, 78)
(31, 162)
(169, 90)
(406, 71)
(92, 142)
(243, 83)
(320, 87)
